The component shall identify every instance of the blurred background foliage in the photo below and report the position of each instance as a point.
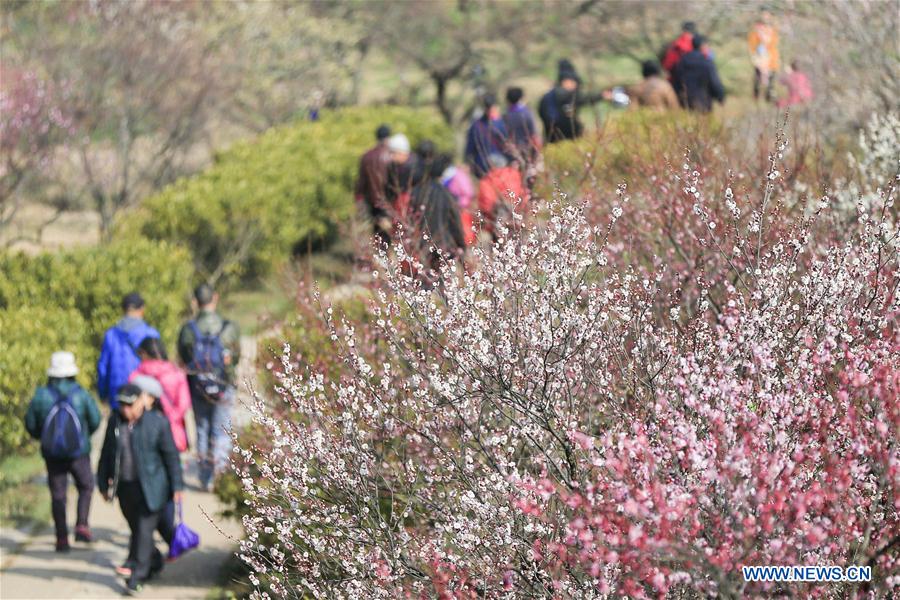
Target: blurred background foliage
(136, 94)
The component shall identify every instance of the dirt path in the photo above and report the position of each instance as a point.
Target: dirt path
(35, 571)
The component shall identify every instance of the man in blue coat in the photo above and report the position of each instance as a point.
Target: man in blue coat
(118, 357)
(486, 136)
(696, 80)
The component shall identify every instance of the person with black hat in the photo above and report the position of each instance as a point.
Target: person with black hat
(696, 80)
(210, 347)
(139, 464)
(559, 107)
(372, 179)
(486, 136)
(118, 356)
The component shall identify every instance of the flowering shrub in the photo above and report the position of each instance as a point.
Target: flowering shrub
(879, 156)
(590, 412)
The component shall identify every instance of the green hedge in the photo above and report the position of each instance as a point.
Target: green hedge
(67, 300)
(28, 336)
(631, 144)
(264, 197)
(93, 281)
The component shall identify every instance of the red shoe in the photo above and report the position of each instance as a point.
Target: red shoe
(83, 534)
(62, 545)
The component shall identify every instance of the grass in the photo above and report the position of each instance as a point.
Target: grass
(254, 308)
(257, 306)
(23, 494)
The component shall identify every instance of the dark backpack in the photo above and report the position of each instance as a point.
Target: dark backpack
(61, 434)
(207, 366)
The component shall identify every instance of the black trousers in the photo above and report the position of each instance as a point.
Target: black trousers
(58, 481)
(165, 527)
(143, 556)
(758, 84)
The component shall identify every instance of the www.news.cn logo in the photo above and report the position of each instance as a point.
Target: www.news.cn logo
(807, 574)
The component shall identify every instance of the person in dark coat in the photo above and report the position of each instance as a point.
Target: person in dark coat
(486, 136)
(421, 161)
(696, 80)
(559, 107)
(434, 213)
(521, 131)
(372, 179)
(139, 464)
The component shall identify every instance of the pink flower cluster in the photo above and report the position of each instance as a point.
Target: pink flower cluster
(32, 119)
(563, 420)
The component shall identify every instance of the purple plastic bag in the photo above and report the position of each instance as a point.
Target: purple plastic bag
(185, 538)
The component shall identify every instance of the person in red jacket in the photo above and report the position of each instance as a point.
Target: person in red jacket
(681, 46)
(500, 194)
(176, 398)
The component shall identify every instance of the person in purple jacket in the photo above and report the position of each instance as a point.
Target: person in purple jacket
(118, 357)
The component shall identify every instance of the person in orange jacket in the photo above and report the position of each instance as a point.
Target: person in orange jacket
(501, 193)
(763, 44)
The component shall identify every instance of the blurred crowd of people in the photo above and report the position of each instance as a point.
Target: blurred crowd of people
(444, 206)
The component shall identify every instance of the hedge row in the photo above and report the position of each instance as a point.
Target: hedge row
(631, 144)
(66, 301)
(263, 198)
(28, 335)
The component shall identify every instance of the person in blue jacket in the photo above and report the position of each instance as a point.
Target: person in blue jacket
(486, 136)
(118, 357)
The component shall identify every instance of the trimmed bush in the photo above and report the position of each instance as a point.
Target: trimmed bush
(66, 301)
(630, 143)
(28, 336)
(264, 197)
(93, 281)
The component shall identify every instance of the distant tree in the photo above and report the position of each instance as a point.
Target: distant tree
(33, 119)
(449, 41)
(852, 52)
(141, 84)
(287, 57)
(643, 29)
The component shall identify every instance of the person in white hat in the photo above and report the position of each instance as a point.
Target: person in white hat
(399, 184)
(62, 415)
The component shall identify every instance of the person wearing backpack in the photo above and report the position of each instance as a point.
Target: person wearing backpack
(118, 356)
(209, 347)
(63, 416)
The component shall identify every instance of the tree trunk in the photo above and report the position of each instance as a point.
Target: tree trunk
(440, 98)
(105, 207)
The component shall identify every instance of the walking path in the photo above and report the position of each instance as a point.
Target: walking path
(33, 570)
